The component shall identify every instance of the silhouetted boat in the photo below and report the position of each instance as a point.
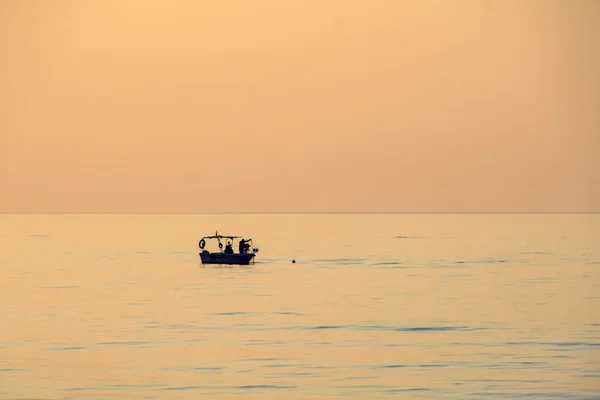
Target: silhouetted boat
(226, 254)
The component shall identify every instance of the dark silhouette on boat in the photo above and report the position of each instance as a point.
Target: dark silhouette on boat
(227, 255)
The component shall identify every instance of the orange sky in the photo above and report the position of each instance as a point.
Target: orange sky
(269, 105)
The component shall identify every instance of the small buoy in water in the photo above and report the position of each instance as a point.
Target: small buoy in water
(293, 261)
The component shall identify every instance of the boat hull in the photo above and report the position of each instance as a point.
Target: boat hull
(224, 258)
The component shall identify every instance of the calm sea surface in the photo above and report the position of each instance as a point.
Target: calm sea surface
(376, 306)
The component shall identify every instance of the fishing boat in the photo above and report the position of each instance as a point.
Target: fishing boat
(226, 254)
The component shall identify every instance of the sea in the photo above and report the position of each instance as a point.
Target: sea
(353, 306)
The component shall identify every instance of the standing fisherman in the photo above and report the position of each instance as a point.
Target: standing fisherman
(244, 246)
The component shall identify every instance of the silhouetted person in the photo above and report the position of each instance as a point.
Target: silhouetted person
(244, 246)
(228, 248)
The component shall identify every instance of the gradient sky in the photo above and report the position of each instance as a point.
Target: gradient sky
(316, 105)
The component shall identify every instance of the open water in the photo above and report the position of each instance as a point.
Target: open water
(376, 306)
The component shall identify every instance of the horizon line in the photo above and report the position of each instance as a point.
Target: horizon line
(292, 212)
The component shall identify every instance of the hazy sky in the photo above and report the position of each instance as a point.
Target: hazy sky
(307, 105)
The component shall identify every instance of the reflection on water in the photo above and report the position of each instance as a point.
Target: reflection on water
(376, 306)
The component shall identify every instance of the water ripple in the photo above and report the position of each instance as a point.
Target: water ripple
(61, 287)
(253, 387)
(392, 328)
(124, 343)
(341, 260)
(410, 366)
(67, 348)
(182, 388)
